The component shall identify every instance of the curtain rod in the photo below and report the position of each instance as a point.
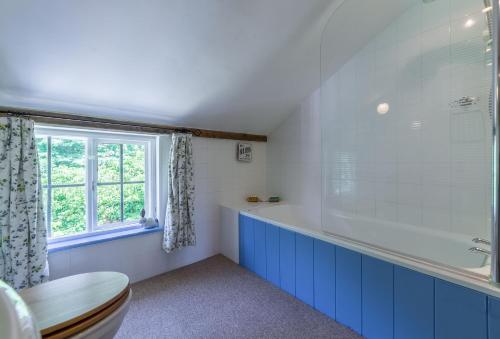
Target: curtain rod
(67, 119)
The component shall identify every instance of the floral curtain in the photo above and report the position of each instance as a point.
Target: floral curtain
(23, 234)
(179, 222)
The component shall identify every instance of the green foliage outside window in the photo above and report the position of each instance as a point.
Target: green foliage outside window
(68, 211)
(68, 167)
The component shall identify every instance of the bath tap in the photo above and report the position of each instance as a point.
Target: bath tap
(479, 250)
(481, 241)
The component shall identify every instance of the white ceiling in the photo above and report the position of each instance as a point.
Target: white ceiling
(236, 65)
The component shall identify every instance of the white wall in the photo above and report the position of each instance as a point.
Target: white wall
(424, 163)
(294, 160)
(219, 178)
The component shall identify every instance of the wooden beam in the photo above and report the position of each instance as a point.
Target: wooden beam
(74, 120)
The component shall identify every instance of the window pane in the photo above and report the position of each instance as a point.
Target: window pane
(133, 162)
(108, 158)
(68, 211)
(108, 204)
(42, 146)
(133, 201)
(68, 161)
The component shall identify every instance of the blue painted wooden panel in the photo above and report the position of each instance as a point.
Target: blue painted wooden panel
(304, 268)
(273, 254)
(287, 261)
(260, 248)
(370, 296)
(378, 298)
(493, 318)
(348, 288)
(241, 255)
(248, 243)
(413, 305)
(324, 277)
(460, 312)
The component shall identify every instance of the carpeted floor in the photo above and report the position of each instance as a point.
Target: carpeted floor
(216, 298)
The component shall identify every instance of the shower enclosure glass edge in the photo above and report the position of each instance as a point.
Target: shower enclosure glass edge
(495, 255)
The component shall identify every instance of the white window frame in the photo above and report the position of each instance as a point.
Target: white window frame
(94, 137)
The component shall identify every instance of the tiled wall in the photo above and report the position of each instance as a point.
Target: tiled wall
(219, 178)
(375, 298)
(425, 162)
(294, 160)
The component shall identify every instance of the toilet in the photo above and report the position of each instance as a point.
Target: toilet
(88, 305)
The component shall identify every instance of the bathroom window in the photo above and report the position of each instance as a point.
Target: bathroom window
(94, 181)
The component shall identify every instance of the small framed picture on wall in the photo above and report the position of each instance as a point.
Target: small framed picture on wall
(244, 152)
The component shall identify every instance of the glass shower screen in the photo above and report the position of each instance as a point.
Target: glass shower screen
(407, 128)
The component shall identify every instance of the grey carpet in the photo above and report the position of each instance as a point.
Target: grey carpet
(216, 298)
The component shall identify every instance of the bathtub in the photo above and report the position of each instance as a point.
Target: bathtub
(379, 285)
(436, 246)
(436, 253)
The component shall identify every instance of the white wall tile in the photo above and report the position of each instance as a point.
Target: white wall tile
(436, 173)
(470, 210)
(436, 218)
(462, 8)
(435, 14)
(410, 214)
(410, 194)
(386, 211)
(469, 26)
(294, 158)
(426, 162)
(436, 196)
(409, 24)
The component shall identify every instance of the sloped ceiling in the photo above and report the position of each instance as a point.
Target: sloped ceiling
(235, 65)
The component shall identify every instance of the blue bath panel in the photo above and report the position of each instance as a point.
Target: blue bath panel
(413, 305)
(260, 248)
(241, 255)
(324, 277)
(247, 254)
(304, 266)
(373, 297)
(348, 288)
(273, 254)
(287, 261)
(460, 312)
(493, 318)
(378, 298)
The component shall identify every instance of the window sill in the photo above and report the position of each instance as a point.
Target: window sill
(99, 238)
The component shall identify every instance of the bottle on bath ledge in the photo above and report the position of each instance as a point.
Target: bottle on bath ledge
(257, 199)
(148, 222)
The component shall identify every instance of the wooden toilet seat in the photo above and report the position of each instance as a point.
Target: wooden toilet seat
(68, 306)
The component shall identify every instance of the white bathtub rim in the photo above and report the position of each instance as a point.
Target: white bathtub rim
(466, 279)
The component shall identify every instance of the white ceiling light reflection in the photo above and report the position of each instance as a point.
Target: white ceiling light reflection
(383, 108)
(469, 23)
(487, 9)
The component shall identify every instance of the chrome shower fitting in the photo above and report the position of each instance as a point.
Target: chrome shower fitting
(481, 241)
(479, 250)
